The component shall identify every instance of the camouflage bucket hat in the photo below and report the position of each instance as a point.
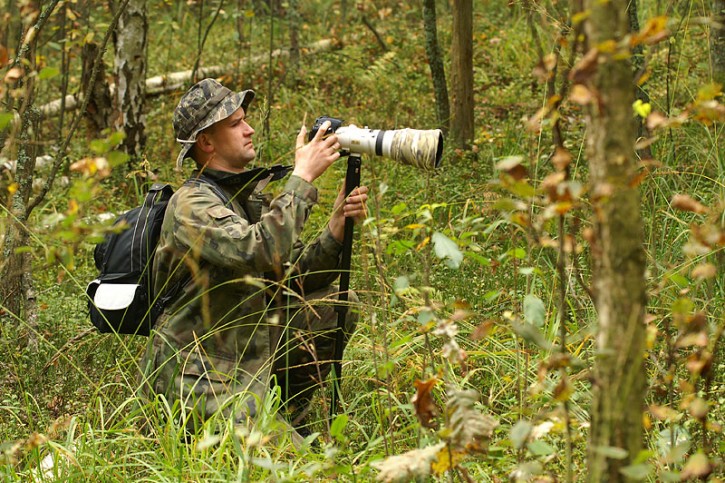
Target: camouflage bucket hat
(206, 103)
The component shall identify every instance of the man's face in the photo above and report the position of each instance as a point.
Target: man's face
(231, 139)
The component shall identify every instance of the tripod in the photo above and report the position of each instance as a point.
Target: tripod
(352, 181)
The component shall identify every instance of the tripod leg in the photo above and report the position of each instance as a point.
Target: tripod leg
(352, 181)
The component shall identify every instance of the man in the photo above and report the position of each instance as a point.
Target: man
(255, 307)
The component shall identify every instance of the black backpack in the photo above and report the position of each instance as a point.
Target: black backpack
(120, 298)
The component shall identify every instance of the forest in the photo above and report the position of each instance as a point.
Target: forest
(546, 305)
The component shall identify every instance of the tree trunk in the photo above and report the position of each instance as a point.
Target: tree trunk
(462, 73)
(293, 21)
(619, 259)
(16, 291)
(717, 42)
(130, 68)
(99, 113)
(435, 61)
(10, 38)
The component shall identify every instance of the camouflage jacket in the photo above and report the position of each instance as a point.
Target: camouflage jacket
(217, 335)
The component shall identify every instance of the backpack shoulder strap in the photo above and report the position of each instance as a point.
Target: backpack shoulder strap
(211, 184)
(158, 193)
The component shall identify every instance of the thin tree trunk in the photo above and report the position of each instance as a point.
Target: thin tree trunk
(16, 291)
(435, 61)
(619, 259)
(717, 42)
(462, 73)
(293, 21)
(639, 66)
(130, 67)
(99, 113)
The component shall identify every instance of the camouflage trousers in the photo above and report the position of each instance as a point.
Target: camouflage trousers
(200, 385)
(306, 348)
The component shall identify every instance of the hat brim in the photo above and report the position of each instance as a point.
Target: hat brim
(223, 110)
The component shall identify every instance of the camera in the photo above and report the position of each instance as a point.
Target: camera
(420, 148)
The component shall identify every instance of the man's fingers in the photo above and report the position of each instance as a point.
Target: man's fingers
(301, 137)
(322, 131)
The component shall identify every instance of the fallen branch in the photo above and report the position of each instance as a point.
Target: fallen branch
(170, 82)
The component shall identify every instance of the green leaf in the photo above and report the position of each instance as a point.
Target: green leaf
(425, 316)
(99, 146)
(116, 158)
(679, 280)
(522, 189)
(669, 476)
(518, 253)
(48, 73)
(338, 426)
(636, 472)
(5, 118)
(530, 333)
(612, 452)
(534, 310)
(398, 209)
(481, 260)
(115, 138)
(508, 204)
(520, 433)
(540, 448)
(447, 250)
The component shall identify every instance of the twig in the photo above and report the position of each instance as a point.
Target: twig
(202, 41)
(375, 32)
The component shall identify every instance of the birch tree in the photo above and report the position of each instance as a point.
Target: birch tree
(131, 43)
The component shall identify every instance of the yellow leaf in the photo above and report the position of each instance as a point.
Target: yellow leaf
(424, 243)
(642, 109)
(13, 188)
(415, 226)
(607, 47)
(72, 207)
(443, 461)
(579, 17)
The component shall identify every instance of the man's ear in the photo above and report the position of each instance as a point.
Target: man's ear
(204, 143)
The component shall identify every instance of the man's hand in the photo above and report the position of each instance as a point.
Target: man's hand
(313, 158)
(353, 207)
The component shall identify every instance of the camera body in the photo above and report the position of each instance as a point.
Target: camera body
(419, 148)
